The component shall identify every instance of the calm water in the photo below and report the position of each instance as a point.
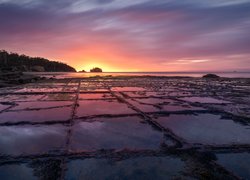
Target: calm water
(190, 74)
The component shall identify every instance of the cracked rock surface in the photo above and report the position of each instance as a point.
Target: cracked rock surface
(126, 128)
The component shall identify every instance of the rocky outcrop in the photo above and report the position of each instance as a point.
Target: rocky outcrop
(37, 69)
(10, 78)
(210, 76)
(96, 69)
(82, 71)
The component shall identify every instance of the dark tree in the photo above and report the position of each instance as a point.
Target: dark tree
(26, 63)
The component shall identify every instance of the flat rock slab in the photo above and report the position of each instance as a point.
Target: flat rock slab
(207, 129)
(98, 96)
(59, 97)
(115, 133)
(16, 172)
(40, 105)
(238, 163)
(18, 98)
(125, 128)
(128, 89)
(36, 116)
(34, 169)
(135, 168)
(31, 140)
(206, 100)
(161, 105)
(3, 107)
(101, 107)
(39, 89)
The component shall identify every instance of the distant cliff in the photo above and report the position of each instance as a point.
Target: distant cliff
(26, 63)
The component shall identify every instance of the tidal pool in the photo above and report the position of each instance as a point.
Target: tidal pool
(207, 129)
(42, 169)
(207, 100)
(127, 89)
(98, 107)
(159, 105)
(30, 140)
(84, 96)
(41, 104)
(135, 168)
(153, 100)
(59, 97)
(16, 172)
(94, 89)
(238, 163)
(18, 98)
(39, 89)
(32, 116)
(115, 133)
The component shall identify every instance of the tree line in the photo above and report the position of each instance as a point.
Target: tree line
(27, 63)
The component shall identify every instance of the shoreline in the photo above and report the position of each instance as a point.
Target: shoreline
(31, 78)
(62, 75)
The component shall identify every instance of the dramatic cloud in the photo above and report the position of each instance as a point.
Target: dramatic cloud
(142, 35)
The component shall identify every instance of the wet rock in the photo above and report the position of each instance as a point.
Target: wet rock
(125, 128)
(15, 78)
(211, 76)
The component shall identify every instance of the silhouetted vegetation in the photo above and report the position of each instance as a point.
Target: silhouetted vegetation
(26, 63)
(96, 69)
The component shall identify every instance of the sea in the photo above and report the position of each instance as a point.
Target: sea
(62, 75)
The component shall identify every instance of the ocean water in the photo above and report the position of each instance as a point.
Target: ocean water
(61, 75)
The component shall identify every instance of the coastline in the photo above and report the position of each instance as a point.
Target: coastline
(62, 75)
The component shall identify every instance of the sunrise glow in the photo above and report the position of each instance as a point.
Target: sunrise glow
(130, 36)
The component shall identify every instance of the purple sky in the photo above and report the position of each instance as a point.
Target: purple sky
(131, 35)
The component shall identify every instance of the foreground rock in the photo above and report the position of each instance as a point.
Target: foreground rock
(16, 78)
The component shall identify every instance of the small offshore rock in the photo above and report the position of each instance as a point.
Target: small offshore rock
(96, 69)
(211, 76)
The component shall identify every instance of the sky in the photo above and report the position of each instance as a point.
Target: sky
(131, 35)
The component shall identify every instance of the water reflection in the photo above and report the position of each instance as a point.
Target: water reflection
(92, 107)
(16, 172)
(17, 140)
(95, 96)
(207, 129)
(238, 163)
(157, 105)
(118, 133)
(36, 169)
(136, 168)
(40, 105)
(59, 97)
(55, 114)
